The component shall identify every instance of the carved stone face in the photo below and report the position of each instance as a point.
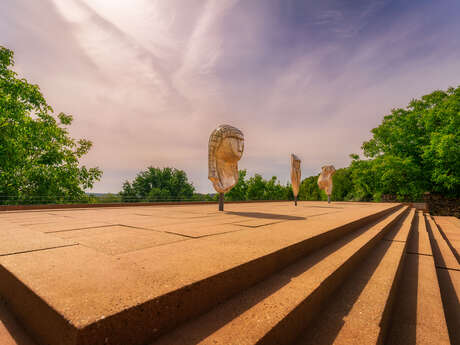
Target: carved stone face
(325, 178)
(295, 174)
(226, 145)
(230, 149)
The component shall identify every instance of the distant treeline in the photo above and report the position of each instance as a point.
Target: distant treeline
(170, 184)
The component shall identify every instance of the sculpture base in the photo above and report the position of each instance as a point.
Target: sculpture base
(221, 201)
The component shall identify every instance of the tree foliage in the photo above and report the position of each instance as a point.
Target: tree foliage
(156, 184)
(310, 191)
(414, 150)
(257, 188)
(39, 161)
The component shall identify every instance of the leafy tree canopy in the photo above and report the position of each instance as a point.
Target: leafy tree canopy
(39, 161)
(156, 184)
(257, 188)
(414, 150)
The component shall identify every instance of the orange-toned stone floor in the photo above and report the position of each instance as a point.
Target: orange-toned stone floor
(91, 263)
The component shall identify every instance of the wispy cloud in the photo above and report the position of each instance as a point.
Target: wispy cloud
(147, 81)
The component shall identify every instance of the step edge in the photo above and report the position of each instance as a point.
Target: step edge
(328, 284)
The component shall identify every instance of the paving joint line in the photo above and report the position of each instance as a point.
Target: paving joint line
(41, 249)
(419, 254)
(90, 227)
(154, 230)
(448, 268)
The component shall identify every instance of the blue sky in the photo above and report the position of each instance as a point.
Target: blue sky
(147, 81)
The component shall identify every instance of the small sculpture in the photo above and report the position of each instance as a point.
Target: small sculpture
(225, 149)
(325, 180)
(295, 176)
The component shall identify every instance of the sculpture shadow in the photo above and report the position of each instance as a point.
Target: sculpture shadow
(265, 215)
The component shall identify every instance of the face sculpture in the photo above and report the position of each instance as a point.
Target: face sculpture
(295, 174)
(325, 178)
(225, 149)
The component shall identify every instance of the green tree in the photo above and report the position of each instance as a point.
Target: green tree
(256, 188)
(386, 174)
(240, 190)
(275, 191)
(156, 184)
(39, 161)
(310, 191)
(423, 140)
(260, 189)
(342, 185)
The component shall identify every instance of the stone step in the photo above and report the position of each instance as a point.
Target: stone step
(88, 297)
(359, 312)
(11, 332)
(442, 252)
(450, 230)
(449, 283)
(448, 271)
(276, 310)
(418, 316)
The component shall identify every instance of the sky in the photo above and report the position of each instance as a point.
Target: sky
(148, 81)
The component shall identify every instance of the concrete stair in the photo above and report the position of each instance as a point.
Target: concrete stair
(391, 277)
(277, 310)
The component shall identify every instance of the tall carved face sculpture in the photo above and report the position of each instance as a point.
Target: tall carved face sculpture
(225, 149)
(295, 174)
(325, 178)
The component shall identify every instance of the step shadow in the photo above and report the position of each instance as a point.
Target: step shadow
(197, 330)
(451, 304)
(452, 248)
(403, 319)
(328, 323)
(12, 326)
(449, 296)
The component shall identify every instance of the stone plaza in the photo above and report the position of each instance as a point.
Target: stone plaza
(257, 273)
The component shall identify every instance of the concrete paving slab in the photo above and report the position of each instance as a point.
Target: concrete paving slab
(76, 286)
(14, 240)
(64, 226)
(118, 239)
(199, 230)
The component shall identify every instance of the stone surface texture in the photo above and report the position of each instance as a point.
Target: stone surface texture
(267, 273)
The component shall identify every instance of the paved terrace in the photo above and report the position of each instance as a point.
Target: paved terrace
(89, 265)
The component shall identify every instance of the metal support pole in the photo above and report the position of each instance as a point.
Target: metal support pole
(221, 201)
(328, 199)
